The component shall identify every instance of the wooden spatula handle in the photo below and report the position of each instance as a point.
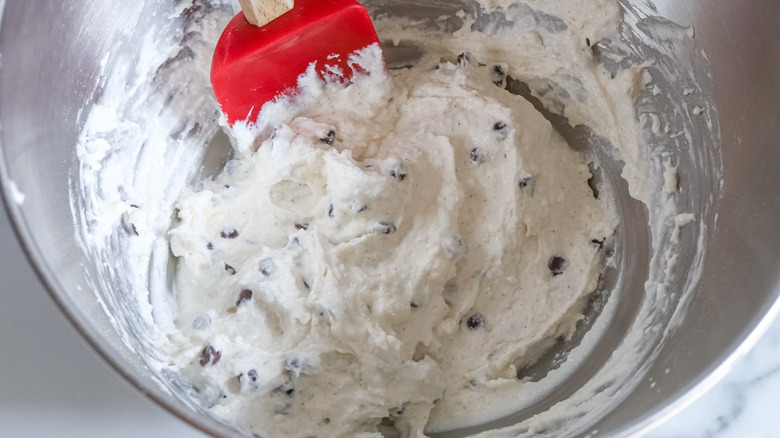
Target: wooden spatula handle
(260, 12)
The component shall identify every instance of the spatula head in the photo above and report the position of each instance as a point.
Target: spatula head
(253, 65)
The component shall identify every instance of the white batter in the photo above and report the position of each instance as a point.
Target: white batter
(402, 245)
(463, 237)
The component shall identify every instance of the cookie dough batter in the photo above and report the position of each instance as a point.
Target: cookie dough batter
(385, 255)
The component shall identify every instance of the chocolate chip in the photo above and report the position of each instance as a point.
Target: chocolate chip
(398, 171)
(383, 228)
(498, 76)
(330, 211)
(597, 243)
(209, 246)
(230, 270)
(244, 296)
(476, 156)
(414, 305)
(229, 233)
(500, 130)
(359, 208)
(587, 41)
(209, 356)
(201, 322)
(287, 388)
(329, 138)
(305, 283)
(134, 206)
(526, 181)
(135, 230)
(465, 59)
(475, 321)
(301, 226)
(267, 266)
(249, 381)
(294, 365)
(557, 265)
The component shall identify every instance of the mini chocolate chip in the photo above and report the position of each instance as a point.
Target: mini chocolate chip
(305, 283)
(383, 228)
(475, 321)
(329, 138)
(249, 381)
(244, 296)
(498, 76)
(229, 233)
(597, 243)
(465, 59)
(330, 211)
(557, 265)
(398, 171)
(209, 246)
(135, 230)
(267, 266)
(294, 365)
(476, 156)
(436, 67)
(587, 41)
(230, 270)
(359, 209)
(209, 356)
(134, 206)
(201, 321)
(526, 182)
(500, 129)
(301, 226)
(287, 388)
(414, 305)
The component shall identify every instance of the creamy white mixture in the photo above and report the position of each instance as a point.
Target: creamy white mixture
(402, 243)
(393, 253)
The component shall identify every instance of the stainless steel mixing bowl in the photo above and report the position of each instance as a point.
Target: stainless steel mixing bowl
(51, 76)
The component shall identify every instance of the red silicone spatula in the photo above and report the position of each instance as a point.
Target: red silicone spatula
(266, 47)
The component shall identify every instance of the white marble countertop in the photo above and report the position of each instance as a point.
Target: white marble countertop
(53, 385)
